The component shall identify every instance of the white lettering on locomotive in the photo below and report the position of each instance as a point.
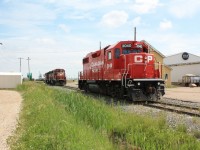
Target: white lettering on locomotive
(139, 58)
(95, 64)
(109, 66)
(149, 58)
(139, 46)
(126, 45)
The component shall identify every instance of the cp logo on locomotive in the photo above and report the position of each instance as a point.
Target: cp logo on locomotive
(139, 58)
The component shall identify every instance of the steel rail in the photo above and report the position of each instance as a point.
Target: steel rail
(176, 108)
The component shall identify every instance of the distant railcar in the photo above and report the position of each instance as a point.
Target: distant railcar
(125, 69)
(55, 77)
(191, 79)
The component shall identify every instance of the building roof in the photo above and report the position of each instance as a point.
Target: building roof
(177, 59)
(181, 54)
(153, 48)
(11, 73)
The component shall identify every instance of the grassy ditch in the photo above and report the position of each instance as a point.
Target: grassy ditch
(54, 119)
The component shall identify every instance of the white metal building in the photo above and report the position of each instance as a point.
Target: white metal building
(182, 64)
(10, 79)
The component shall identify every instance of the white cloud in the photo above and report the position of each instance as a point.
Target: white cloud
(64, 27)
(145, 6)
(136, 21)
(184, 8)
(165, 24)
(26, 14)
(172, 43)
(114, 19)
(46, 41)
(112, 2)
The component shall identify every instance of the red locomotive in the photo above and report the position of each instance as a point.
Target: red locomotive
(123, 69)
(55, 77)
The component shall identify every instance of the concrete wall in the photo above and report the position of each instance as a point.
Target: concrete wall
(10, 80)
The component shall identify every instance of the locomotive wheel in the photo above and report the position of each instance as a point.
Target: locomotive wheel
(154, 97)
(120, 92)
(85, 87)
(114, 91)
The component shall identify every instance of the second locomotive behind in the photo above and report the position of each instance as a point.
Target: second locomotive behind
(55, 77)
(125, 69)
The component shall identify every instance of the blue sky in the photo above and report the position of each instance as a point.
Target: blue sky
(59, 33)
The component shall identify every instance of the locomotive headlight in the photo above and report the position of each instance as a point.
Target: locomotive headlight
(138, 83)
(158, 83)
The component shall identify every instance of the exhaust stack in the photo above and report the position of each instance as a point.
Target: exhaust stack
(134, 33)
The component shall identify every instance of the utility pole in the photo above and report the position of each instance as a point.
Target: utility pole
(20, 63)
(28, 65)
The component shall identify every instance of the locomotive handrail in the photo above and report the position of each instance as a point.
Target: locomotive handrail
(127, 74)
(124, 70)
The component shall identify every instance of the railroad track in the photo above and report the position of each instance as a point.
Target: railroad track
(71, 88)
(181, 109)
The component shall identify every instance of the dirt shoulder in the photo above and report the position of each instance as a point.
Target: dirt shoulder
(10, 102)
(183, 93)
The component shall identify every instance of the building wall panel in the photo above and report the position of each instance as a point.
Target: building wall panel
(179, 71)
(10, 80)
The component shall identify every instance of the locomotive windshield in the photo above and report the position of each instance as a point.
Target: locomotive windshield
(128, 51)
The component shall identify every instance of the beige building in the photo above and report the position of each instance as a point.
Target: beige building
(166, 70)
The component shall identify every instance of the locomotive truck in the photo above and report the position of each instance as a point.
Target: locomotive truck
(125, 69)
(55, 77)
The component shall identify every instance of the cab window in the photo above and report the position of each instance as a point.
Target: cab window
(117, 53)
(128, 51)
(85, 60)
(109, 55)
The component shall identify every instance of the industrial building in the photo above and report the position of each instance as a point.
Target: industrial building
(10, 79)
(182, 63)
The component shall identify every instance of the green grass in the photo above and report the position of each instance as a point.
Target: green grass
(55, 119)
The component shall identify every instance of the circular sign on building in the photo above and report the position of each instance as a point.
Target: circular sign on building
(185, 56)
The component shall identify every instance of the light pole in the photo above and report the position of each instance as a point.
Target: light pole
(29, 74)
(28, 65)
(20, 63)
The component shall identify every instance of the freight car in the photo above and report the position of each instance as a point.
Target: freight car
(55, 77)
(191, 79)
(125, 69)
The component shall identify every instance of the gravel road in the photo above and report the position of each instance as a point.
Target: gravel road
(183, 93)
(10, 102)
